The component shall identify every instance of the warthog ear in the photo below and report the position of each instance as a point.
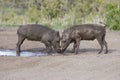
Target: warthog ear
(60, 38)
(57, 33)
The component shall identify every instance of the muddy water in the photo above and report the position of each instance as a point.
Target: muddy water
(23, 53)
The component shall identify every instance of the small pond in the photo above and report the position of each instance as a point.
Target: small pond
(23, 53)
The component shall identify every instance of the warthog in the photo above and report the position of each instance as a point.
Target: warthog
(83, 32)
(34, 32)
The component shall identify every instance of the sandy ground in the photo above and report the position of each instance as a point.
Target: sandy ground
(87, 65)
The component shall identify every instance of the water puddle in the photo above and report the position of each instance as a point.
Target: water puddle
(23, 53)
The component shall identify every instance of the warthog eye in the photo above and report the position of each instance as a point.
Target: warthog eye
(64, 41)
(57, 41)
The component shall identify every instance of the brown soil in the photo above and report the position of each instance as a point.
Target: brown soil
(87, 65)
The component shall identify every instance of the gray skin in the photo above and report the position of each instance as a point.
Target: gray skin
(34, 32)
(83, 32)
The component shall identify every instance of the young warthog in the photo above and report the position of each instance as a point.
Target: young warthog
(83, 32)
(49, 37)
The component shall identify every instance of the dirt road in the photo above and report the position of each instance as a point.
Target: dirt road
(87, 65)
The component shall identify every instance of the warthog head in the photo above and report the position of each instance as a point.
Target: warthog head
(65, 41)
(56, 42)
